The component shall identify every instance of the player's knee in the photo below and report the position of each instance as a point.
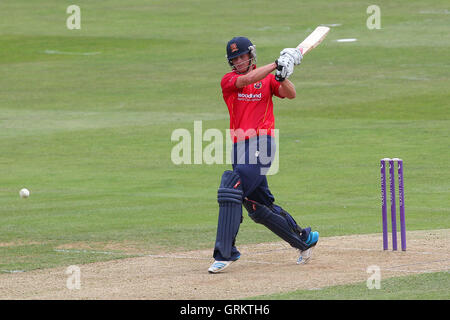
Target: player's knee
(256, 211)
(230, 189)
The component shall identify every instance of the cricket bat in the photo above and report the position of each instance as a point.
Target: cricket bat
(313, 40)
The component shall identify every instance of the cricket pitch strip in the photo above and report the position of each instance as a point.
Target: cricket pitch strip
(263, 269)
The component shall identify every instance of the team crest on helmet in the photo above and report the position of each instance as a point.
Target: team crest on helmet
(258, 85)
(234, 47)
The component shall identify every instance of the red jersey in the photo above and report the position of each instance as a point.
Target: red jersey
(250, 107)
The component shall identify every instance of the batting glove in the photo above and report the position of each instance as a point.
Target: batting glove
(294, 53)
(285, 67)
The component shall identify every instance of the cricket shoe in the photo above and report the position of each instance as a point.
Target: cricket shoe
(305, 255)
(219, 266)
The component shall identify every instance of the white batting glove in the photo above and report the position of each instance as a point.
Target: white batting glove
(294, 53)
(285, 67)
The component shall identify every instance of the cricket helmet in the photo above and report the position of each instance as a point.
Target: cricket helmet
(239, 46)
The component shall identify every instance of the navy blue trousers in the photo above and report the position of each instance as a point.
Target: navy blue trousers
(251, 159)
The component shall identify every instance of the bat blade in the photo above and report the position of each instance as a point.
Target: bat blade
(313, 40)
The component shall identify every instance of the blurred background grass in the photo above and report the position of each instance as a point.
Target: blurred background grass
(88, 130)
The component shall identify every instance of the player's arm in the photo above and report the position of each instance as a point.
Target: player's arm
(287, 89)
(255, 75)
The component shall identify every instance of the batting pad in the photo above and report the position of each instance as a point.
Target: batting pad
(230, 197)
(275, 223)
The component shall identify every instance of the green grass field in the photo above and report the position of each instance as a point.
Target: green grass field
(86, 118)
(425, 286)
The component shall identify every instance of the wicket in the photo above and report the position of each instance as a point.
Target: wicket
(393, 204)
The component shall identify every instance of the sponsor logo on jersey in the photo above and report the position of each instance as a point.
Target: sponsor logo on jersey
(249, 96)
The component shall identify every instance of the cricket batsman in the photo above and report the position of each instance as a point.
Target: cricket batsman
(247, 92)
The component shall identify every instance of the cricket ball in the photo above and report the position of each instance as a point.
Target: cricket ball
(24, 193)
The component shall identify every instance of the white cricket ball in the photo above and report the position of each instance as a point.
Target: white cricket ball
(24, 193)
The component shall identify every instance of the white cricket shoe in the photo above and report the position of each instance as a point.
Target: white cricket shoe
(219, 266)
(304, 256)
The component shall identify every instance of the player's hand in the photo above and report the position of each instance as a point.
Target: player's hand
(294, 53)
(285, 67)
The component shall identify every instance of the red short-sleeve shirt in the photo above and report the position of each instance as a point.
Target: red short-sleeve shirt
(250, 107)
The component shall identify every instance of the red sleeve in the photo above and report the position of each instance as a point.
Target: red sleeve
(228, 82)
(275, 86)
